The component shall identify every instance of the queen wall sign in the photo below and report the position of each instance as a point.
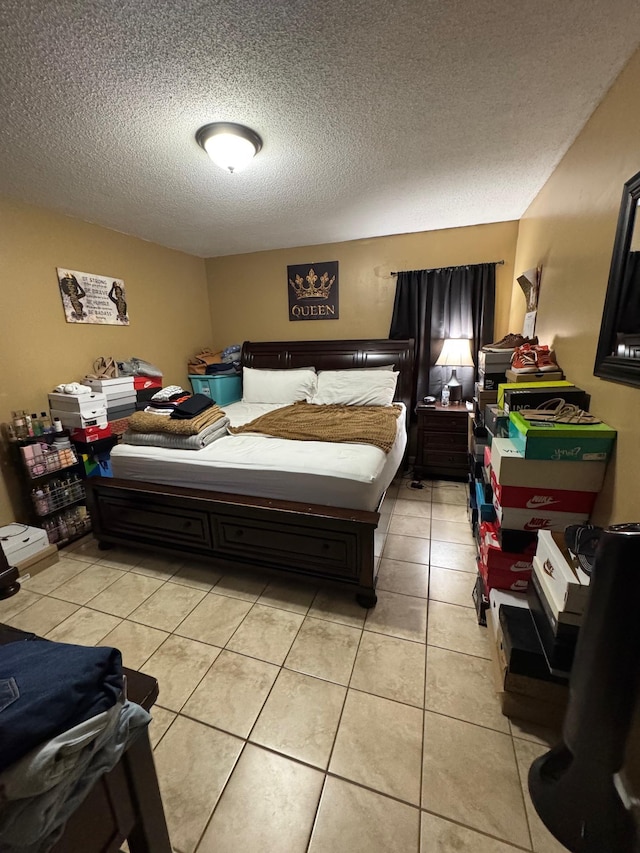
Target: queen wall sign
(90, 298)
(313, 291)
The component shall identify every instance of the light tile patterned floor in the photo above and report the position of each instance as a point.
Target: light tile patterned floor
(289, 718)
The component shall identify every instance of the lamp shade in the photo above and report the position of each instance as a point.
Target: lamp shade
(456, 352)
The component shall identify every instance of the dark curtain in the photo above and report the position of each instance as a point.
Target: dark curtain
(431, 305)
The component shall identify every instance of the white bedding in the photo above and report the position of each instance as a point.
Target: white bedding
(354, 476)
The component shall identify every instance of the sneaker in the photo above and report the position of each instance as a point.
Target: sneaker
(510, 341)
(524, 360)
(545, 358)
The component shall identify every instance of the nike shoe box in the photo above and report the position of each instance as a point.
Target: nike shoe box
(558, 649)
(557, 500)
(21, 542)
(521, 645)
(538, 375)
(513, 518)
(145, 394)
(120, 411)
(514, 542)
(91, 434)
(561, 442)
(498, 597)
(144, 383)
(516, 398)
(83, 404)
(121, 384)
(512, 469)
(77, 420)
(568, 584)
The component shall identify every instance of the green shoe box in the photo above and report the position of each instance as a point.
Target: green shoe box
(561, 442)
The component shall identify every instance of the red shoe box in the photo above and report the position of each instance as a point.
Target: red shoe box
(543, 499)
(142, 383)
(90, 434)
(501, 579)
(503, 569)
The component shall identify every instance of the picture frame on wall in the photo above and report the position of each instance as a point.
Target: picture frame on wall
(91, 298)
(313, 291)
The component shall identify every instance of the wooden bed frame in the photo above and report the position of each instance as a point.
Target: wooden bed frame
(300, 539)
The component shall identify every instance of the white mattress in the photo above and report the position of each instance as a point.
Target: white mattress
(354, 476)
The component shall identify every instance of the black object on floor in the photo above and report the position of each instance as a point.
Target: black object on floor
(573, 787)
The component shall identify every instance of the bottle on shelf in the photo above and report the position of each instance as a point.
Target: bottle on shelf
(19, 424)
(57, 425)
(36, 425)
(45, 420)
(445, 395)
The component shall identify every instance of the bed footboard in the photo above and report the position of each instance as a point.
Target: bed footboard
(304, 540)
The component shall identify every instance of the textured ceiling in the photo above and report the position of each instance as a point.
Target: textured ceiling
(377, 117)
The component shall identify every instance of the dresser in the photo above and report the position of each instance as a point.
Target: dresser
(442, 441)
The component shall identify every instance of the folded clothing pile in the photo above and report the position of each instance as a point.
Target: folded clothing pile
(192, 424)
(64, 723)
(229, 362)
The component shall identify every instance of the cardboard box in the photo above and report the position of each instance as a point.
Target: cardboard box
(516, 399)
(506, 580)
(536, 519)
(562, 622)
(76, 420)
(569, 585)
(143, 383)
(518, 542)
(484, 398)
(523, 382)
(490, 381)
(559, 650)
(498, 597)
(37, 563)
(21, 542)
(486, 510)
(561, 442)
(496, 420)
(520, 643)
(539, 376)
(495, 362)
(512, 469)
(84, 405)
(558, 500)
(91, 434)
(109, 386)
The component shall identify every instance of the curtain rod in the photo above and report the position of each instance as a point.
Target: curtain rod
(498, 263)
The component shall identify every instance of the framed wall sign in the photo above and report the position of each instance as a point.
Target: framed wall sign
(313, 291)
(90, 298)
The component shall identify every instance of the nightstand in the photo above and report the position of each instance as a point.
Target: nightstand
(442, 441)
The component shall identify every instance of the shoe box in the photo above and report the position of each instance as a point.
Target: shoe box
(79, 420)
(502, 569)
(111, 387)
(524, 380)
(490, 381)
(495, 362)
(143, 395)
(496, 421)
(534, 375)
(125, 410)
(561, 442)
(538, 518)
(558, 648)
(484, 397)
(516, 399)
(484, 503)
(557, 500)
(480, 600)
(21, 542)
(144, 383)
(510, 468)
(91, 434)
(568, 585)
(498, 597)
(535, 700)
(83, 404)
(44, 559)
(563, 623)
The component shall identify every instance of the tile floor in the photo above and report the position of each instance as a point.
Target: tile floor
(289, 719)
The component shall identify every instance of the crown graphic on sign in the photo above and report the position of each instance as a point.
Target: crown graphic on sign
(306, 288)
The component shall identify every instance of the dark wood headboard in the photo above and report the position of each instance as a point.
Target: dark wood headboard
(336, 355)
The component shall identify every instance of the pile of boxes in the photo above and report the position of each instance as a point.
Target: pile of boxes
(84, 415)
(144, 388)
(540, 478)
(120, 398)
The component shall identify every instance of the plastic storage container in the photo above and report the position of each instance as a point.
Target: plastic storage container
(222, 389)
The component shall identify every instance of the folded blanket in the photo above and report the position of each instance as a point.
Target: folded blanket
(145, 422)
(374, 425)
(178, 442)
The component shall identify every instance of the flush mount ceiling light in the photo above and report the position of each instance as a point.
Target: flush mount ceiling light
(230, 146)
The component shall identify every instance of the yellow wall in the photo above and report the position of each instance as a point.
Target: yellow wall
(166, 294)
(248, 293)
(569, 228)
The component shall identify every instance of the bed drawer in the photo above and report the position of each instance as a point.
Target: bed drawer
(156, 522)
(330, 554)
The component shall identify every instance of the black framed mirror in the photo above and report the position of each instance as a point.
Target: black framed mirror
(618, 355)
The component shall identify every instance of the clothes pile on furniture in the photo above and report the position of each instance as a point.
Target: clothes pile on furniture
(64, 722)
(178, 420)
(224, 362)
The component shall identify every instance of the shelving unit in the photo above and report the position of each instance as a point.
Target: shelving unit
(53, 479)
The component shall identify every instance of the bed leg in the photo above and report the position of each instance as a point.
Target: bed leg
(366, 599)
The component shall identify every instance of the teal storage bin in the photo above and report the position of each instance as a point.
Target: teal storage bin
(222, 389)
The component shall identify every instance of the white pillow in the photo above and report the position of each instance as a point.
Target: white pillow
(278, 386)
(355, 387)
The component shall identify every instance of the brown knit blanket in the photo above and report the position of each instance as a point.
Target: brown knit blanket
(305, 422)
(146, 422)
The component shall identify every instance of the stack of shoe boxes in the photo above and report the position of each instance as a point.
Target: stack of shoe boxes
(492, 367)
(79, 411)
(120, 395)
(145, 387)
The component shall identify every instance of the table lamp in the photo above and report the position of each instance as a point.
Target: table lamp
(456, 352)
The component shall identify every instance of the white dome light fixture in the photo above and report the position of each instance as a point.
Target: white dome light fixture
(230, 146)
